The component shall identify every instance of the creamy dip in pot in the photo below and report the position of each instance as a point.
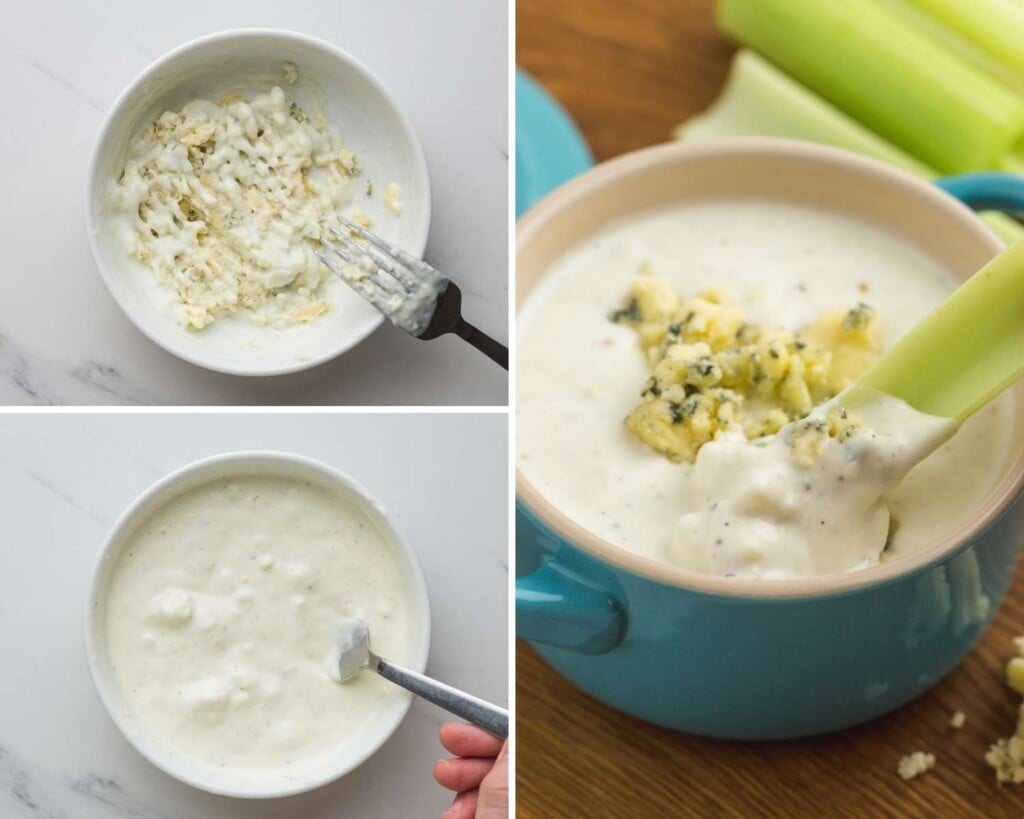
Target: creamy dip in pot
(808, 501)
(580, 373)
(221, 616)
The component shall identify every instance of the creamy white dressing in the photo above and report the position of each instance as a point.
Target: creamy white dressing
(224, 607)
(579, 373)
(756, 509)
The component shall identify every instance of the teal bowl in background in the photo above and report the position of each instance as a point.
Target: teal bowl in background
(746, 659)
(549, 148)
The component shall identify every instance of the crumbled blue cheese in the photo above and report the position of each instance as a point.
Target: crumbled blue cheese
(713, 372)
(808, 436)
(393, 199)
(858, 318)
(915, 764)
(1006, 755)
(228, 201)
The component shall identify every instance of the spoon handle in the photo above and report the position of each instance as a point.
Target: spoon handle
(491, 718)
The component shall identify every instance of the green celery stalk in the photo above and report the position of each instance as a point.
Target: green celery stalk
(964, 40)
(966, 351)
(995, 26)
(877, 67)
(760, 100)
(1014, 163)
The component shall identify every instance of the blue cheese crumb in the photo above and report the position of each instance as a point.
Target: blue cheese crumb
(1006, 755)
(393, 199)
(915, 764)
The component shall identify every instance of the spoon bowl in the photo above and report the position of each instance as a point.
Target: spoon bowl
(351, 654)
(351, 651)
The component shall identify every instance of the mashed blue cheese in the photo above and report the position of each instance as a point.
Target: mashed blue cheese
(228, 200)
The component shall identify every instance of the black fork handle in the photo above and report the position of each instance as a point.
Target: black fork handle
(498, 353)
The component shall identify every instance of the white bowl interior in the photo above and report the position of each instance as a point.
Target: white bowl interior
(260, 784)
(352, 101)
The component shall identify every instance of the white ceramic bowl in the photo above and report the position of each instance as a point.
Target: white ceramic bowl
(251, 61)
(266, 784)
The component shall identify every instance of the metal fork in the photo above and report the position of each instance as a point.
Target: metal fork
(412, 294)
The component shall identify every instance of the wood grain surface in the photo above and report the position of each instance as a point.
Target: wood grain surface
(628, 71)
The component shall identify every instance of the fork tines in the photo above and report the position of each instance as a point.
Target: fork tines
(395, 282)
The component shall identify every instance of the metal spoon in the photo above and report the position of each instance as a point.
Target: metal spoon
(351, 654)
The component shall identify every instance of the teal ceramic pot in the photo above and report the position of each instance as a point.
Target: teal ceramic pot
(549, 148)
(746, 659)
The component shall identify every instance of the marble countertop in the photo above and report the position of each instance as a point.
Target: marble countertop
(63, 340)
(65, 478)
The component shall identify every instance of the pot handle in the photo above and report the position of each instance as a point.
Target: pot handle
(990, 190)
(559, 607)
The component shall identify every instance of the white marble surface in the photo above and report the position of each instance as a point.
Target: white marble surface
(63, 340)
(65, 478)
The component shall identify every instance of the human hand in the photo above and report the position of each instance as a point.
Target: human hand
(478, 774)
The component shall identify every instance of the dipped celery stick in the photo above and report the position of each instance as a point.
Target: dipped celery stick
(994, 26)
(966, 351)
(897, 81)
(760, 100)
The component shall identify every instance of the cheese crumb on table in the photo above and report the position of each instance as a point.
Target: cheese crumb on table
(713, 372)
(957, 720)
(227, 202)
(1006, 755)
(915, 764)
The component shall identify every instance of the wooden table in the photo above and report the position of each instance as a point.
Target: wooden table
(628, 71)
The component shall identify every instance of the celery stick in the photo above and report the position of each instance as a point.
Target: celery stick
(995, 26)
(1014, 163)
(760, 100)
(966, 351)
(898, 82)
(955, 40)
